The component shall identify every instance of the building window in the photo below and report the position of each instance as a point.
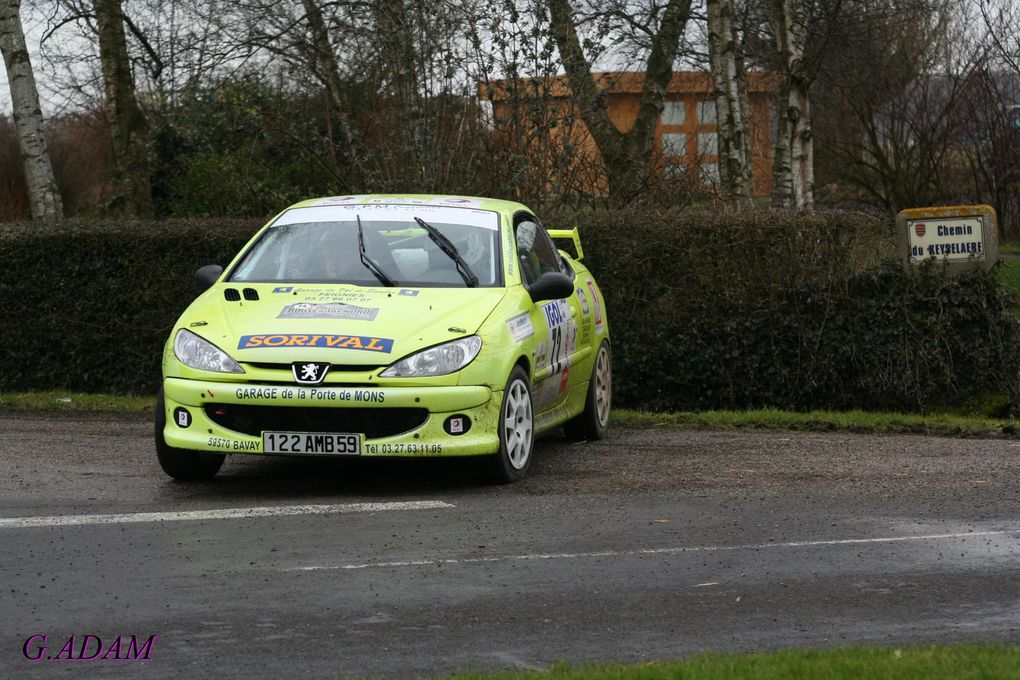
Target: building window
(674, 171)
(706, 112)
(673, 113)
(673, 143)
(710, 173)
(708, 144)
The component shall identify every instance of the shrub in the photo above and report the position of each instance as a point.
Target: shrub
(707, 310)
(764, 308)
(88, 306)
(889, 339)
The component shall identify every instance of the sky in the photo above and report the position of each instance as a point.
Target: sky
(34, 24)
(35, 21)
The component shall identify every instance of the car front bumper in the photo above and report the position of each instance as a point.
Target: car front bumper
(202, 433)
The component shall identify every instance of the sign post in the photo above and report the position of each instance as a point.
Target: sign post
(959, 236)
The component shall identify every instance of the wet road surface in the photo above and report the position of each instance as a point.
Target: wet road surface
(652, 544)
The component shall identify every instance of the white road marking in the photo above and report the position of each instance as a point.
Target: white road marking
(222, 513)
(648, 551)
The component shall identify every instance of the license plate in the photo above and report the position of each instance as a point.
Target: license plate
(314, 443)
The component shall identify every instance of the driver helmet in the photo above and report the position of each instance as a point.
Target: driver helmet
(471, 246)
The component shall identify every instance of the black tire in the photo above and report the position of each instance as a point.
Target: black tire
(181, 464)
(513, 460)
(593, 422)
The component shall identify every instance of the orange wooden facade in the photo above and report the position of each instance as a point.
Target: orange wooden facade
(685, 138)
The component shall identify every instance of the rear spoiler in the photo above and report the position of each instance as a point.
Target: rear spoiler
(572, 235)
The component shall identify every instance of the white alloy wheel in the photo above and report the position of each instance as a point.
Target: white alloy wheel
(518, 424)
(515, 430)
(603, 386)
(593, 422)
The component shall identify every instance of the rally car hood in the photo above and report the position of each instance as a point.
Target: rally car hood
(350, 325)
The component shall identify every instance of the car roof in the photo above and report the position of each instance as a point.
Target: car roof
(481, 203)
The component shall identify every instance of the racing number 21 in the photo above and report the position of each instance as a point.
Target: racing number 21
(556, 350)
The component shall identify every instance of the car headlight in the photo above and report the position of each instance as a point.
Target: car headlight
(438, 360)
(196, 352)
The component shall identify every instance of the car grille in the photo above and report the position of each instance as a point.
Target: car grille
(372, 422)
(334, 368)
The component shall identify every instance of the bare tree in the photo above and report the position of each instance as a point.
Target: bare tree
(996, 160)
(730, 85)
(398, 49)
(129, 128)
(626, 155)
(44, 198)
(896, 116)
(324, 65)
(1001, 19)
(989, 105)
(538, 147)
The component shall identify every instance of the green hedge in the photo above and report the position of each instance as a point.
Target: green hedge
(88, 306)
(707, 310)
(776, 309)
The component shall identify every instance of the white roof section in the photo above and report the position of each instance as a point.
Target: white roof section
(442, 214)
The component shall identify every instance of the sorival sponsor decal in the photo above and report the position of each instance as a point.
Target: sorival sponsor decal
(362, 342)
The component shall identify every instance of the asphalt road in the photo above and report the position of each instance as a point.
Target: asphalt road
(648, 545)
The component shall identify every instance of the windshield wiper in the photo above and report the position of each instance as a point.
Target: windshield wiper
(444, 244)
(369, 263)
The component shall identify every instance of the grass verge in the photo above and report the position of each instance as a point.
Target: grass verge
(941, 424)
(76, 401)
(956, 662)
(1008, 275)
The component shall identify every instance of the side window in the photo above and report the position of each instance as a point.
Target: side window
(535, 250)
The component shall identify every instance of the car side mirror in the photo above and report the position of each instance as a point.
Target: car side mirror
(206, 276)
(551, 286)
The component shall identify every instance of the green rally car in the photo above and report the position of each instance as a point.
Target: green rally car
(387, 326)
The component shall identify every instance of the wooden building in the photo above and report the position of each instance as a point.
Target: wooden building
(686, 141)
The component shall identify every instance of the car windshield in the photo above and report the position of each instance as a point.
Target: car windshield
(320, 244)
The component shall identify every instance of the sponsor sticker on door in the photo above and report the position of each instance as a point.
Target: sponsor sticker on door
(520, 327)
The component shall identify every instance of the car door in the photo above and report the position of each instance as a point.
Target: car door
(555, 321)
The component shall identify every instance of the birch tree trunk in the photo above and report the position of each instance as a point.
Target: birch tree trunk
(129, 129)
(44, 198)
(782, 169)
(793, 162)
(805, 158)
(745, 106)
(728, 79)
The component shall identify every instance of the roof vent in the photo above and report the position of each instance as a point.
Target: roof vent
(251, 294)
(231, 295)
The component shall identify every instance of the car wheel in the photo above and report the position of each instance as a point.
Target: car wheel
(593, 423)
(187, 466)
(516, 429)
